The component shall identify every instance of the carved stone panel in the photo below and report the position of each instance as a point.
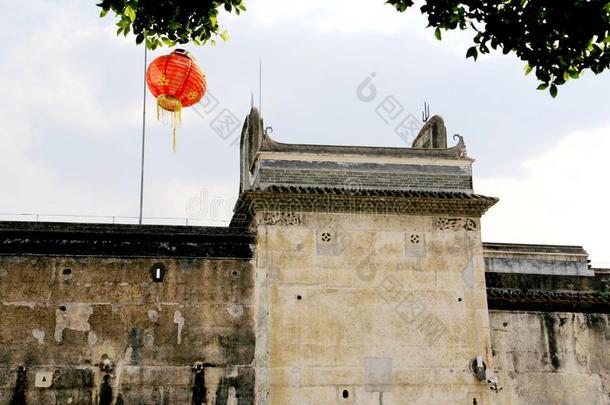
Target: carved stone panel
(456, 224)
(280, 218)
(415, 244)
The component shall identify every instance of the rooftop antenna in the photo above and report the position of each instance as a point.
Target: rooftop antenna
(251, 100)
(143, 139)
(260, 87)
(426, 113)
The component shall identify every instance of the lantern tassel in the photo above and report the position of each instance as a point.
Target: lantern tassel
(174, 141)
(169, 112)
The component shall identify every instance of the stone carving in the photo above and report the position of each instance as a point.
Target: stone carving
(280, 218)
(461, 146)
(456, 224)
(326, 242)
(415, 244)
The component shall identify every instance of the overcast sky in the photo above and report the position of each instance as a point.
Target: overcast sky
(70, 120)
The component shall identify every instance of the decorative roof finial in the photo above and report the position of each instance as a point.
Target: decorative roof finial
(426, 113)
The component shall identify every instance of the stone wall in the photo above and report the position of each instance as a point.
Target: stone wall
(550, 335)
(368, 309)
(558, 358)
(536, 259)
(95, 329)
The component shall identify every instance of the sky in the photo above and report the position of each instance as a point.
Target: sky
(71, 115)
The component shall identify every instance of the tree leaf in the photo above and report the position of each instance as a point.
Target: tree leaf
(472, 52)
(130, 12)
(168, 41)
(437, 33)
(553, 90)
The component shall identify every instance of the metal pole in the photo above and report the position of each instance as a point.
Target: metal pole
(143, 137)
(260, 87)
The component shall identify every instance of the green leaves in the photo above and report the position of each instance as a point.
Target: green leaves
(552, 89)
(557, 40)
(160, 23)
(472, 52)
(168, 42)
(130, 12)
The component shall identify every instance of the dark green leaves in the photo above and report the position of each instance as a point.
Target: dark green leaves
(437, 33)
(472, 52)
(170, 22)
(557, 40)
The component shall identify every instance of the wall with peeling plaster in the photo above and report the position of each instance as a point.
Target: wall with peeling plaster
(552, 357)
(64, 315)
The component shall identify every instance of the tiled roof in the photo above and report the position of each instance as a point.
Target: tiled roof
(378, 193)
(544, 300)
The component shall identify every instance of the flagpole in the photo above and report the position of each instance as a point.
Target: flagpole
(143, 137)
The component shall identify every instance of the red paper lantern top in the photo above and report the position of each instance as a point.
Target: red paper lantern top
(176, 78)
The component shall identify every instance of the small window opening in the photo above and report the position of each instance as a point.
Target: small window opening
(326, 237)
(157, 272)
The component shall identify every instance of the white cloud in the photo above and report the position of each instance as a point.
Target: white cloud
(51, 85)
(47, 73)
(562, 197)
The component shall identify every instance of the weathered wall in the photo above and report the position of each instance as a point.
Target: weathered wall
(369, 309)
(536, 259)
(552, 358)
(63, 315)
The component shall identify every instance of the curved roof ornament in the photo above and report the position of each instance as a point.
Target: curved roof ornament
(252, 137)
(255, 138)
(432, 135)
(461, 146)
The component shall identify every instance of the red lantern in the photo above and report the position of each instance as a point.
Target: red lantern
(177, 82)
